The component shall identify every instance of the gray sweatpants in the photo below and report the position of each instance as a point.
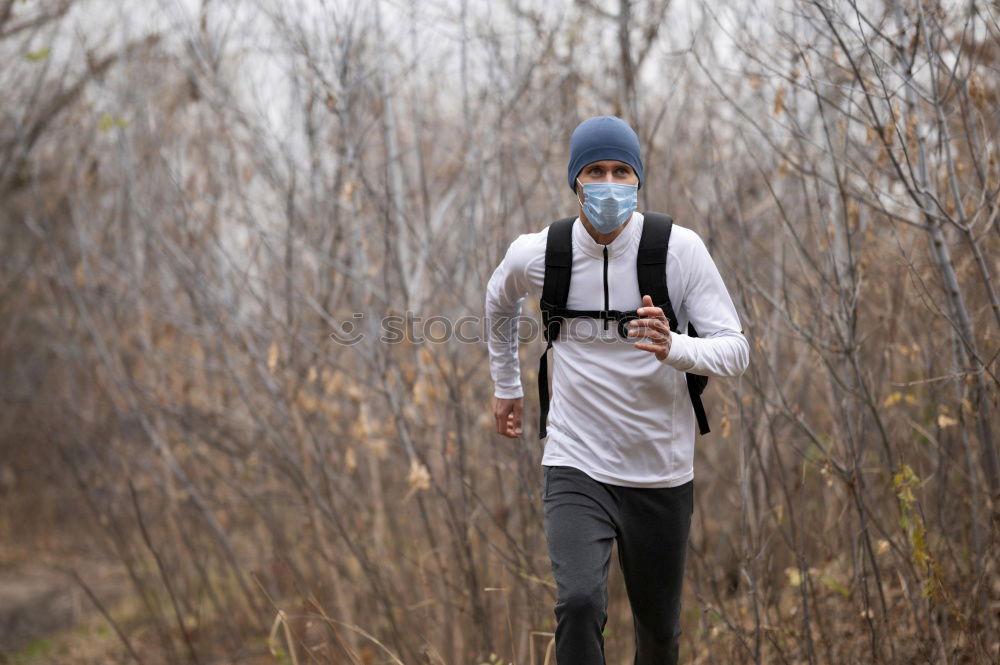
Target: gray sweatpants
(582, 519)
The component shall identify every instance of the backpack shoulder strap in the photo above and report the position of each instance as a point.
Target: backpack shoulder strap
(651, 262)
(558, 271)
(651, 269)
(555, 293)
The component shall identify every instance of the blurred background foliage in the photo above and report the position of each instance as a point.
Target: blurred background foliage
(196, 196)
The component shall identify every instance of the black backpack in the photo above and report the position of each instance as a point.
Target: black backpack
(651, 264)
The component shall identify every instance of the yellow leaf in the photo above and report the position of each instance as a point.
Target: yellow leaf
(946, 421)
(893, 398)
(794, 576)
(419, 478)
(109, 122)
(272, 357)
(40, 54)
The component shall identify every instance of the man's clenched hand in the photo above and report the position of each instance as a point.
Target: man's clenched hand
(507, 413)
(654, 327)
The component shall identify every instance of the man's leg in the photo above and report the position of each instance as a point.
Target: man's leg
(580, 531)
(651, 548)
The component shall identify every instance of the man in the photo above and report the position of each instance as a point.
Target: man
(618, 460)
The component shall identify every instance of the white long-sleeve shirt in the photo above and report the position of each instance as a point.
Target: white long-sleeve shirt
(616, 412)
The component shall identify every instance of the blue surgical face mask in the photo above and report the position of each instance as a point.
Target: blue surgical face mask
(607, 205)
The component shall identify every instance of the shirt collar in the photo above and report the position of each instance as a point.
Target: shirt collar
(627, 240)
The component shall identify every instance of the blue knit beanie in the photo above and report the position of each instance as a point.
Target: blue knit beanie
(603, 137)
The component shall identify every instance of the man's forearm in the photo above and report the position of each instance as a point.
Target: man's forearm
(724, 354)
(502, 341)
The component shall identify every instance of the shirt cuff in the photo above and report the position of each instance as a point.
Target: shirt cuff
(508, 393)
(679, 355)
